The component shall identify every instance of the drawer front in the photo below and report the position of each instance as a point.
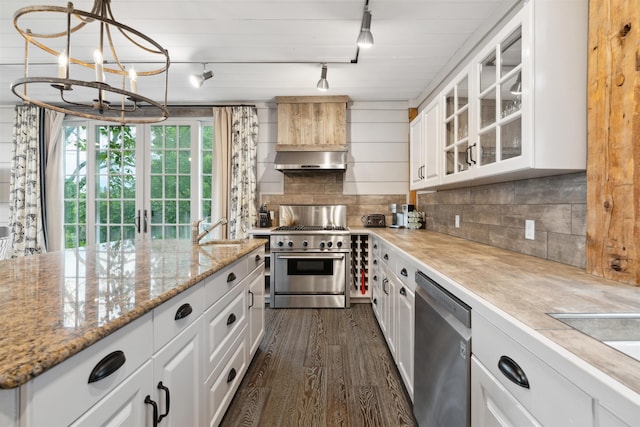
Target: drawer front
(255, 259)
(388, 256)
(63, 393)
(222, 323)
(406, 272)
(224, 280)
(550, 398)
(223, 383)
(176, 314)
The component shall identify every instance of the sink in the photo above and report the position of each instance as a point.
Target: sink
(223, 243)
(617, 330)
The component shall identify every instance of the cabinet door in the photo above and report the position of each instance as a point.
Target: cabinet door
(256, 309)
(124, 406)
(389, 290)
(499, 130)
(492, 405)
(431, 132)
(416, 142)
(376, 289)
(405, 336)
(178, 367)
(457, 152)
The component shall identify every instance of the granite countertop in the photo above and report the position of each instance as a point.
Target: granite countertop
(56, 304)
(526, 288)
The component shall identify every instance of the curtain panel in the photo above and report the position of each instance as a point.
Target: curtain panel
(236, 133)
(26, 228)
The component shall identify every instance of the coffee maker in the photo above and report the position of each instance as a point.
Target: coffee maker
(395, 220)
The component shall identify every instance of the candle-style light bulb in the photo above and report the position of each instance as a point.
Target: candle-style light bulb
(133, 80)
(97, 59)
(63, 61)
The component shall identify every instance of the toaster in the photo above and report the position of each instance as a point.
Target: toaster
(373, 220)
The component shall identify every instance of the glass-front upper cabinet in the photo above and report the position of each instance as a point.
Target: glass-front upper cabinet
(500, 102)
(456, 126)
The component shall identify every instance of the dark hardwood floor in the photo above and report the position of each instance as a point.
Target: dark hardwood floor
(321, 367)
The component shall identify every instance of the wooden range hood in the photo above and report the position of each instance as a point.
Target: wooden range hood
(311, 133)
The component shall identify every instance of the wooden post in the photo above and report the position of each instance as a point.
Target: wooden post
(613, 168)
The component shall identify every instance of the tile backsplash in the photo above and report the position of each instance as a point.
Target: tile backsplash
(326, 188)
(495, 214)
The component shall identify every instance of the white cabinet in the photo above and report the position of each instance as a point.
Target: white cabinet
(393, 298)
(424, 133)
(492, 405)
(255, 285)
(122, 406)
(177, 378)
(516, 108)
(513, 374)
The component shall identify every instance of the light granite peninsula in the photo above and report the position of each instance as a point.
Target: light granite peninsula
(55, 305)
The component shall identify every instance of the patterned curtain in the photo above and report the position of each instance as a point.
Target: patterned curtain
(25, 211)
(243, 211)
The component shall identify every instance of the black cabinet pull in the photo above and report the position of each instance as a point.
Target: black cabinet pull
(404, 273)
(375, 278)
(512, 371)
(251, 293)
(258, 258)
(386, 257)
(231, 277)
(150, 401)
(107, 366)
(184, 310)
(403, 291)
(232, 375)
(375, 262)
(384, 283)
(375, 301)
(471, 153)
(375, 246)
(231, 319)
(168, 400)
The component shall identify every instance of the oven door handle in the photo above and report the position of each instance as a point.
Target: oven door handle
(310, 256)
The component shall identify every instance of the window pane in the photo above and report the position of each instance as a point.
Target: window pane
(170, 187)
(115, 212)
(184, 211)
(170, 232)
(185, 136)
(184, 162)
(170, 162)
(170, 136)
(157, 212)
(156, 187)
(156, 232)
(170, 212)
(184, 185)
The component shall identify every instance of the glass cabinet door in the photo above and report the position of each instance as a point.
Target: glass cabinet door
(499, 102)
(456, 124)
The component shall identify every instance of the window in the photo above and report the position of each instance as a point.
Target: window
(133, 182)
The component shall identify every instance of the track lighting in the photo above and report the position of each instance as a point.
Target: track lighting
(365, 38)
(323, 84)
(198, 79)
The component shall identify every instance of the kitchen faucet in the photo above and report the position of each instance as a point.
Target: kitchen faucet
(195, 237)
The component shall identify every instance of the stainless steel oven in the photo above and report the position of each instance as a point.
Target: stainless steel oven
(310, 261)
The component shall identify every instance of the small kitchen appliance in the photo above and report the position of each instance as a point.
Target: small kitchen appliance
(373, 220)
(394, 216)
(263, 217)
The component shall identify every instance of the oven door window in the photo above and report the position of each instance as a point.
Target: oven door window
(310, 267)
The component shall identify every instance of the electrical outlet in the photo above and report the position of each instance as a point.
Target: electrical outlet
(457, 221)
(530, 229)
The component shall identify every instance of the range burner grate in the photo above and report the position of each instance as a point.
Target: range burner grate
(311, 228)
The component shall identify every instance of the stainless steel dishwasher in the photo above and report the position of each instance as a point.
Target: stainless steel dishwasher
(442, 373)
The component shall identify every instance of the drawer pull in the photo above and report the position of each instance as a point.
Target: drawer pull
(251, 293)
(375, 262)
(168, 400)
(232, 375)
(231, 277)
(375, 301)
(184, 310)
(403, 291)
(404, 273)
(375, 278)
(512, 371)
(258, 258)
(386, 257)
(149, 401)
(107, 366)
(231, 319)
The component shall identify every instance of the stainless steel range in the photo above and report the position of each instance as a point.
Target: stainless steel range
(310, 257)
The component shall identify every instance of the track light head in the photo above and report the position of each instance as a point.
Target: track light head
(323, 84)
(198, 79)
(365, 38)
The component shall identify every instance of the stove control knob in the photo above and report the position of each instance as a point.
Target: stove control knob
(305, 243)
(321, 245)
(290, 243)
(339, 243)
(280, 243)
(329, 244)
